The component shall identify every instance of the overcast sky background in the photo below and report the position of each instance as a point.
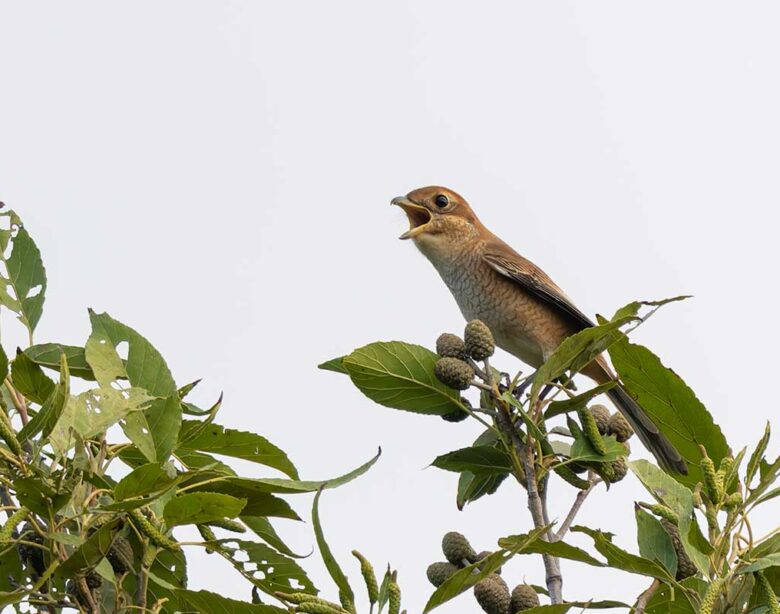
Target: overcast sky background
(217, 175)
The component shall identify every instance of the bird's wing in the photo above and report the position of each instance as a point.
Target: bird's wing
(509, 263)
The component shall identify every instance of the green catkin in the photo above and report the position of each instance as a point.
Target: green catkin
(154, 534)
(591, 430)
(711, 596)
(6, 533)
(771, 597)
(661, 511)
(567, 475)
(347, 604)
(712, 486)
(228, 525)
(207, 534)
(301, 598)
(732, 500)
(369, 577)
(394, 597)
(8, 435)
(313, 607)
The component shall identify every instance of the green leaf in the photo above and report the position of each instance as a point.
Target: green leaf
(3, 364)
(770, 560)
(38, 494)
(149, 479)
(204, 601)
(216, 439)
(156, 429)
(476, 459)
(620, 559)
(270, 571)
(576, 403)
(576, 352)
(472, 486)
(258, 501)
(334, 569)
(672, 600)
(145, 367)
(334, 364)
(263, 528)
(88, 555)
(29, 379)
(47, 355)
(654, 542)
(582, 450)
(467, 577)
(93, 412)
(632, 309)
(667, 490)
(400, 375)
(45, 420)
(279, 485)
(671, 405)
(758, 455)
(198, 460)
(23, 291)
(559, 549)
(200, 507)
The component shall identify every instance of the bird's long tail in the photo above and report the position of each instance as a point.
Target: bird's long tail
(655, 441)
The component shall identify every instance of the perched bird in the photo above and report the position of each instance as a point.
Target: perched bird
(528, 314)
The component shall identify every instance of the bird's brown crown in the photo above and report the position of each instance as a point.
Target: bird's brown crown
(437, 215)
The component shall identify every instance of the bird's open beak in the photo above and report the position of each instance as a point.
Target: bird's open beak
(418, 216)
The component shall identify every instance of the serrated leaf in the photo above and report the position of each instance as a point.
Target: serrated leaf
(47, 355)
(667, 490)
(671, 405)
(620, 559)
(654, 542)
(156, 429)
(334, 364)
(29, 379)
(472, 486)
(259, 502)
(271, 571)
(400, 375)
(205, 601)
(216, 439)
(770, 560)
(145, 367)
(23, 291)
(200, 507)
(577, 351)
(476, 459)
(559, 549)
(45, 420)
(146, 480)
(263, 528)
(334, 569)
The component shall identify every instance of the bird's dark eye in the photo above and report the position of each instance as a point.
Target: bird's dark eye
(441, 201)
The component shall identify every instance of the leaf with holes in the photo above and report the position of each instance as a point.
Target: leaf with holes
(145, 367)
(400, 375)
(23, 291)
(205, 601)
(155, 429)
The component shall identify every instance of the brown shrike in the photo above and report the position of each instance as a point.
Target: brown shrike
(528, 314)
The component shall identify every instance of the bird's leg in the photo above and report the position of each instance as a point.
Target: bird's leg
(545, 391)
(518, 392)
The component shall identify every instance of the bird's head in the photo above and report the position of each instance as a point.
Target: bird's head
(438, 218)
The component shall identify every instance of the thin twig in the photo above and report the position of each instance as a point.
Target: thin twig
(575, 508)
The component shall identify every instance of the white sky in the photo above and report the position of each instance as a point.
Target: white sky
(217, 175)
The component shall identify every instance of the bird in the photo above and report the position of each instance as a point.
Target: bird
(525, 310)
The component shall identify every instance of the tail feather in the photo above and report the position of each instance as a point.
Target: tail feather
(655, 441)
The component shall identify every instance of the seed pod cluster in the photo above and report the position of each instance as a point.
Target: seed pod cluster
(492, 595)
(478, 340)
(601, 415)
(619, 427)
(524, 598)
(451, 346)
(120, 556)
(454, 373)
(457, 549)
(32, 556)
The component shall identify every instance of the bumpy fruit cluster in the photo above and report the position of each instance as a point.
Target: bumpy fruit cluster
(456, 368)
(492, 592)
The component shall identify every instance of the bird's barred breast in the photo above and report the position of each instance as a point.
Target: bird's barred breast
(522, 324)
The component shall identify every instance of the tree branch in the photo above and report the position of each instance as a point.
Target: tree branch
(644, 598)
(575, 508)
